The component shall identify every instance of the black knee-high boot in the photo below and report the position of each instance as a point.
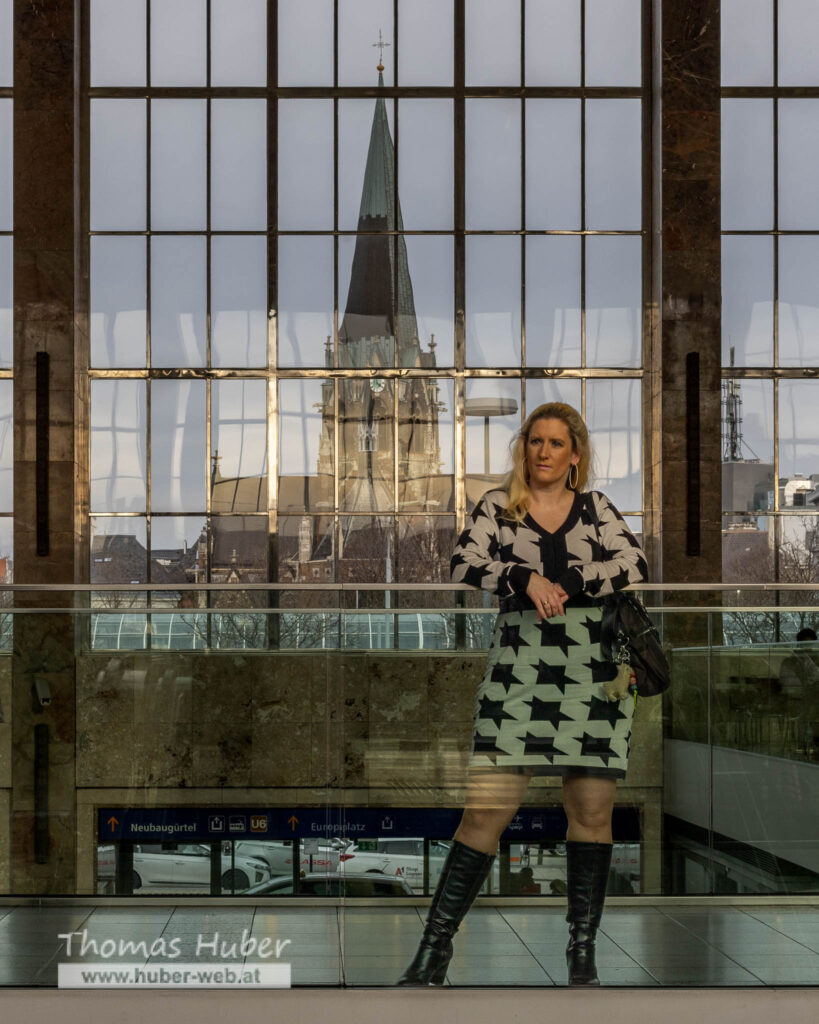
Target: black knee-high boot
(462, 877)
(587, 873)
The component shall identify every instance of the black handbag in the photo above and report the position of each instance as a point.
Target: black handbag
(628, 636)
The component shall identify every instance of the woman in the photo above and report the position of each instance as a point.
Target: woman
(541, 708)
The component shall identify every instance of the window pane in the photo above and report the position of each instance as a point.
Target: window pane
(613, 41)
(425, 42)
(493, 164)
(553, 300)
(239, 554)
(492, 301)
(305, 301)
(366, 549)
(305, 42)
(178, 165)
(492, 420)
(747, 300)
(306, 554)
(615, 427)
(798, 29)
(178, 555)
(6, 447)
(425, 164)
(798, 428)
(798, 301)
(239, 446)
(553, 164)
(359, 21)
(119, 554)
(239, 165)
(118, 301)
(361, 155)
(178, 426)
(614, 305)
(118, 139)
(550, 389)
(7, 559)
(118, 419)
(238, 42)
(798, 155)
(746, 36)
(747, 164)
(366, 303)
(6, 165)
(6, 42)
(493, 42)
(306, 164)
(747, 445)
(426, 444)
(118, 30)
(306, 444)
(6, 301)
(366, 448)
(178, 42)
(431, 271)
(552, 42)
(613, 164)
(178, 300)
(238, 300)
(425, 546)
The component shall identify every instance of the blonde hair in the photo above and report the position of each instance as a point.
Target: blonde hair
(516, 483)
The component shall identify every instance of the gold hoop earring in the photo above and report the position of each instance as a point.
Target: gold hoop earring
(573, 484)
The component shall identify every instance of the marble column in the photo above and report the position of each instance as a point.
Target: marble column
(44, 315)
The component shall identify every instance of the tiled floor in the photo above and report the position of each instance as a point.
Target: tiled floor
(521, 946)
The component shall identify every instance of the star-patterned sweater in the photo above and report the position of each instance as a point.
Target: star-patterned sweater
(499, 554)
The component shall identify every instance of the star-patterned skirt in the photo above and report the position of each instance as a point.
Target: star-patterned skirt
(541, 709)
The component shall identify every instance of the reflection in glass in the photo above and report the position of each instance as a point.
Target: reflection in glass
(119, 554)
(118, 173)
(177, 445)
(239, 446)
(425, 546)
(747, 164)
(305, 165)
(425, 163)
(492, 42)
(613, 41)
(493, 164)
(6, 42)
(366, 549)
(306, 444)
(305, 320)
(6, 555)
(366, 450)
(553, 300)
(366, 313)
(238, 42)
(178, 42)
(178, 300)
(798, 29)
(239, 555)
(493, 417)
(365, 152)
(178, 165)
(6, 151)
(305, 42)
(613, 416)
(238, 296)
(553, 164)
(118, 419)
(118, 301)
(798, 428)
(747, 447)
(613, 300)
(552, 389)
(798, 154)
(306, 549)
(613, 164)
(6, 300)
(6, 447)
(358, 23)
(552, 42)
(238, 165)
(747, 300)
(425, 444)
(746, 37)
(425, 42)
(431, 270)
(492, 301)
(179, 554)
(798, 300)
(117, 42)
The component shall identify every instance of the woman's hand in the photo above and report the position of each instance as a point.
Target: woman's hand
(547, 597)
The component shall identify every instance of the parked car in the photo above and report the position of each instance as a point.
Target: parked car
(185, 867)
(278, 854)
(334, 884)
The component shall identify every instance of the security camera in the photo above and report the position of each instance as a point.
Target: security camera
(42, 691)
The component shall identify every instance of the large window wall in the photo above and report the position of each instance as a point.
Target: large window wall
(6, 300)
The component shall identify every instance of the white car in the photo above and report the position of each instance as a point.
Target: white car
(188, 866)
(278, 854)
(335, 884)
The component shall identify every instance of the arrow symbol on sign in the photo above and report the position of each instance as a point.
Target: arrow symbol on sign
(113, 822)
(292, 822)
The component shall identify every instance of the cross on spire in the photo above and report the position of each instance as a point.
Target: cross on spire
(381, 44)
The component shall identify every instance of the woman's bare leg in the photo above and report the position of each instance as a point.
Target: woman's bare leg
(588, 802)
(492, 800)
